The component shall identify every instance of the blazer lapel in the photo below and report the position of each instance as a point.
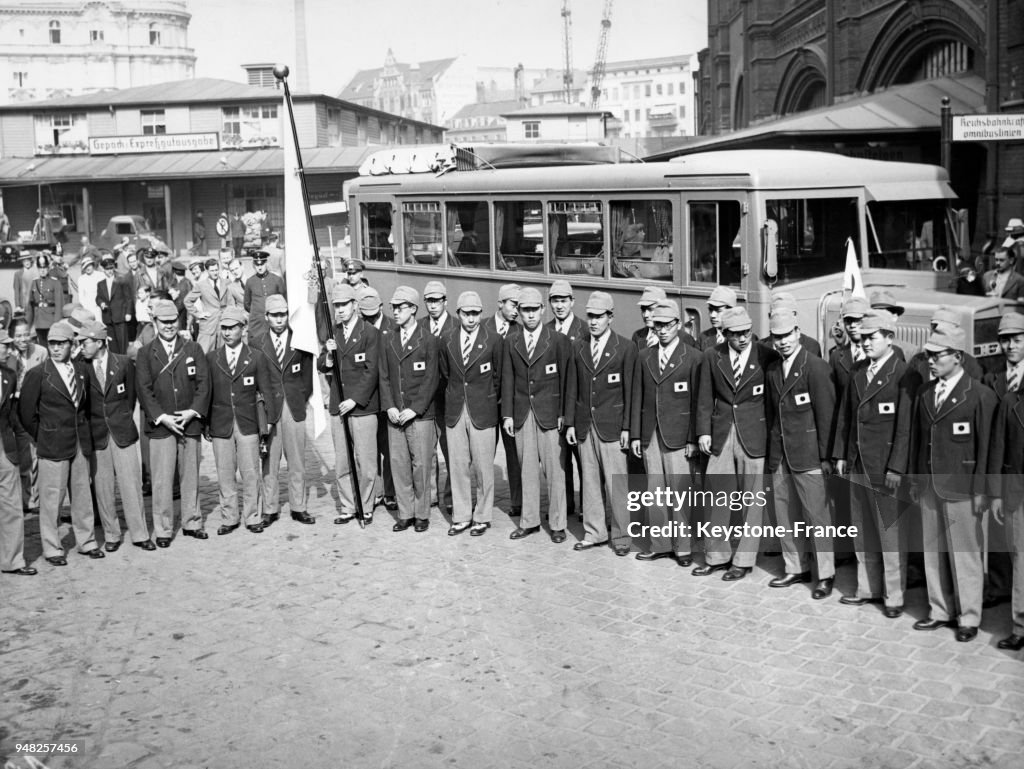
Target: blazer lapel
(795, 372)
(482, 336)
(610, 347)
(56, 380)
(954, 398)
(112, 368)
(880, 380)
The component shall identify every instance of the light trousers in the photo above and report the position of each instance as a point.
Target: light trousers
(287, 437)
(166, 454)
(56, 476)
(471, 458)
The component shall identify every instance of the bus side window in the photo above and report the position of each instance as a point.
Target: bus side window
(422, 232)
(520, 235)
(716, 253)
(577, 229)
(469, 235)
(812, 235)
(642, 239)
(378, 243)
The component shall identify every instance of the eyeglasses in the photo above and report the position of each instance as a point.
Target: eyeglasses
(936, 355)
(663, 324)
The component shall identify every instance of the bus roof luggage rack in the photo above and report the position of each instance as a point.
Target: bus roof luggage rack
(441, 158)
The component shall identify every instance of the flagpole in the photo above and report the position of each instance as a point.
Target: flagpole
(281, 72)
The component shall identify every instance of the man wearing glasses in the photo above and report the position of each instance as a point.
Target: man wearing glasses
(732, 432)
(950, 440)
(173, 384)
(662, 427)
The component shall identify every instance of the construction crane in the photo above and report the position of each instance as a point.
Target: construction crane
(602, 54)
(567, 45)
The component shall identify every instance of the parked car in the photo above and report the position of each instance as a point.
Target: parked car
(134, 228)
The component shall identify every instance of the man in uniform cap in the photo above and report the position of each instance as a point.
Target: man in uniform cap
(1006, 464)
(24, 277)
(950, 441)
(354, 350)
(45, 299)
(240, 377)
(732, 433)
(471, 365)
(149, 274)
(54, 409)
(503, 323)
(944, 318)
(872, 444)
(645, 336)
(441, 326)
(292, 372)
(1015, 240)
(354, 273)
(843, 357)
(115, 297)
(598, 412)
(783, 301)
(12, 519)
(802, 401)
(409, 375)
(208, 299)
(258, 287)
(567, 323)
(533, 375)
(115, 439)
(721, 299)
(662, 431)
(370, 309)
(173, 383)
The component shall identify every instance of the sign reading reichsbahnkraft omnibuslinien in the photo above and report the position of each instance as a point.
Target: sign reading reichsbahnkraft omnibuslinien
(126, 145)
(1007, 126)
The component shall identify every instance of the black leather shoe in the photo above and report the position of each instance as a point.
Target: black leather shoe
(1013, 642)
(622, 550)
(95, 554)
(422, 524)
(165, 542)
(225, 529)
(457, 528)
(111, 547)
(893, 612)
(823, 589)
(255, 528)
(558, 536)
(709, 568)
(303, 517)
(520, 532)
(585, 545)
(686, 561)
(390, 504)
(965, 634)
(145, 545)
(271, 519)
(654, 556)
(57, 560)
(932, 624)
(403, 524)
(735, 573)
(195, 533)
(28, 571)
(478, 529)
(790, 579)
(367, 517)
(852, 600)
(342, 519)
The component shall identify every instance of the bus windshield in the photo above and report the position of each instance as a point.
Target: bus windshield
(908, 234)
(812, 235)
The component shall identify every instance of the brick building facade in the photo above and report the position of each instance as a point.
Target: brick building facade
(768, 59)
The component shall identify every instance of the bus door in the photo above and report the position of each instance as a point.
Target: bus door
(719, 249)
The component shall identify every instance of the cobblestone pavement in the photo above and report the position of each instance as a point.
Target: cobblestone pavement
(328, 646)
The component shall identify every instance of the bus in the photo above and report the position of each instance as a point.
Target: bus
(755, 220)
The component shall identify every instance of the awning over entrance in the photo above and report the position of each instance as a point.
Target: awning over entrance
(17, 172)
(903, 109)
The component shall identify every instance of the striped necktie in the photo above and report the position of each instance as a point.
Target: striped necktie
(940, 394)
(737, 369)
(662, 359)
(595, 352)
(1013, 380)
(279, 348)
(467, 346)
(72, 382)
(531, 343)
(101, 374)
(858, 352)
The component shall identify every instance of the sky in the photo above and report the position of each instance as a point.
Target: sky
(345, 36)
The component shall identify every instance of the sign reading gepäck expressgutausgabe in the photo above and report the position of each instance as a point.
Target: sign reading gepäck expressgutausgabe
(988, 128)
(125, 145)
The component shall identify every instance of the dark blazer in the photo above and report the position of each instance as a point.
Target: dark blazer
(449, 326)
(475, 385)
(360, 369)
(665, 400)
(1006, 459)
(952, 445)
(537, 384)
(293, 382)
(491, 325)
(409, 375)
(873, 421)
(165, 386)
(577, 329)
(996, 382)
(721, 404)
(112, 407)
(973, 369)
(800, 413)
(639, 338)
(117, 306)
(1014, 287)
(58, 427)
(8, 414)
(602, 397)
(233, 396)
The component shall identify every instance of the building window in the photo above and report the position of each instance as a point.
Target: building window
(153, 122)
(670, 89)
(20, 78)
(647, 89)
(636, 92)
(154, 35)
(96, 35)
(63, 133)
(250, 126)
(658, 89)
(531, 129)
(55, 32)
(682, 87)
(682, 110)
(636, 115)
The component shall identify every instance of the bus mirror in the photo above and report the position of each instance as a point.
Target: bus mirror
(769, 248)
